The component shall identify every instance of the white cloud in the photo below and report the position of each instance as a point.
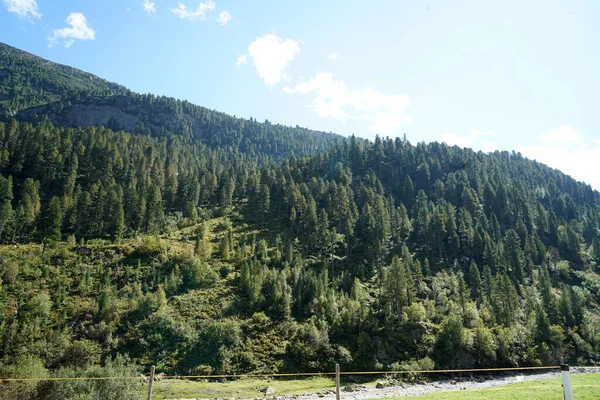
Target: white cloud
(471, 140)
(242, 60)
(200, 12)
(149, 6)
(271, 55)
(27, 9)
(564, 136)
(565, 149)
(80, 29)
(224, 18)
(489, 147)
(332, 99)
(333, 56)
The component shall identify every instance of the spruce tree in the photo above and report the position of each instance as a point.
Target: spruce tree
(53, 220)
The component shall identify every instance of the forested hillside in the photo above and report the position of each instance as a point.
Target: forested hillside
(122, 249)
(33, 89)
(27, 80)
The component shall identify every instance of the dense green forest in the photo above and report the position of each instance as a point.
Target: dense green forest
(33, 89)
(203, 243)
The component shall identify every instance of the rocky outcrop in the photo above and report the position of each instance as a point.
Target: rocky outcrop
(115, 112)
(86, 115)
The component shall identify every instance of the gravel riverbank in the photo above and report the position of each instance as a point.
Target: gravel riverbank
(362, 392)
(391, 388)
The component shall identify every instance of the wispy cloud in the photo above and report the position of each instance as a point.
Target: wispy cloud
(26, 9)
(333, 56)
(564, 136)
(472, 140)
(149, 6)
(565, 148)
(332, 99)
(199, 14)
(79, 30)
(242, 60)
(271, 55)
(224, 18)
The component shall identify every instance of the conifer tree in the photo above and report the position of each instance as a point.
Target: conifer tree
(475, 283)
(514, 255)
(53, 220)
(6, 196)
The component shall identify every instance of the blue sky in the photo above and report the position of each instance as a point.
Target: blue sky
(510, 75)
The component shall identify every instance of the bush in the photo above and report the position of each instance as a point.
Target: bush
(24, 366)
(71, 242)
(174, 222)
(39, 305)
(10, 271)
(105, 389)
(225, 225)
(216, 345)
(450, 343)
(225, 270)
(151, 247)
(198, 275)
(415, 313)
(82, 353)
(205, 213)
(147, 305)
(423, 364)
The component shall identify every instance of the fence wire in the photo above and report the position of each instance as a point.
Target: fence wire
(298, 374)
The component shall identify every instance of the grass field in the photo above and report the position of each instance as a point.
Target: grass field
(586, 387)
(243, 388)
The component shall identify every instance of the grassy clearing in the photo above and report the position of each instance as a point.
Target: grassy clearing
(585, 387)
(242, 388)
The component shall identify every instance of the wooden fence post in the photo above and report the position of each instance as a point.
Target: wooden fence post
(337, 382)
(150, 383)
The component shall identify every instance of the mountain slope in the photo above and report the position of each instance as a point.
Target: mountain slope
(203, 256)
(33, 89)
(27, 80)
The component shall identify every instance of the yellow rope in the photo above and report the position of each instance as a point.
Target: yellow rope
(97, 378)
(431, 371)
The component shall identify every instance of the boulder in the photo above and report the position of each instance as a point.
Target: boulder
(268, 390)
(348, 388)
(380, 385)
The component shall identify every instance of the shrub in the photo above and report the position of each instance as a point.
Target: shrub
(105, 389)
(71, 242)
(423, 364)
(151, 247)
(225, 225)
(10, 271)
(198, 275)
(24, 366)
(225, 270)
(39, 305)
(415, 313)
(82, 353)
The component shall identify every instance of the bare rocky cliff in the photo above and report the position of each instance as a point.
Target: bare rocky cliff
(116, 112)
